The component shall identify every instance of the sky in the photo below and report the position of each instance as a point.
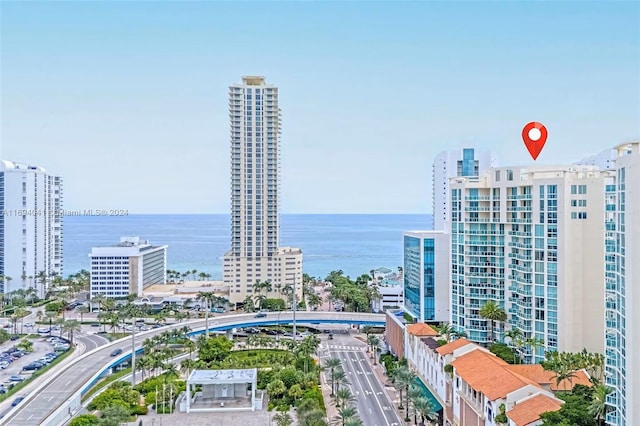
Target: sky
(127, 101)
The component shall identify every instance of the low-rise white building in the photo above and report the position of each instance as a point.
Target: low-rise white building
(474, 386)
(127, 268)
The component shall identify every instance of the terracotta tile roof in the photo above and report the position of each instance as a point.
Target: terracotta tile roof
(452, 346)
(541, 376)
(488, 374)
(529, 410)
(421, 329)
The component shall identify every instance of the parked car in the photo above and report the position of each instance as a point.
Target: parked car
(33, 366)
(4, 364)
(15, 337)
(16, 378)
(17, 401)
(116, 352)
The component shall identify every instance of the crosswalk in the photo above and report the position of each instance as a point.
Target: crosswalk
(344, 348)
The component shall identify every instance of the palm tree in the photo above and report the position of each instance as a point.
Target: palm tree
(374, 342)
(332, 364)
(83, 310)
(492, 312)
(403, 378)
(340, 378)
(344, 414)
(446, 330)
(248, 304)
(598, 407)
(414, 393)
(42, 279)
(343, 397)
(534, 343)
(206, 297)
(516, 341)
(70, 327)
(425, 409)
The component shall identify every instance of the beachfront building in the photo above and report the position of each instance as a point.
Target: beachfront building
(448, 164)
(127, 268)
(30, 227)
(255, 255)
(529, 239)
(622, 282)
(426, 275)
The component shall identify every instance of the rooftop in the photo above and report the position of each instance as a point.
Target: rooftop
(529, 410)
(421, 329)
(223, 376)
(452, 346)
(544, 377)
(487, 373)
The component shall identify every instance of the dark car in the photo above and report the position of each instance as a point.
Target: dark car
(17, 401)
(33, 366)
(116, 352)
(15, 337)
(261, 315)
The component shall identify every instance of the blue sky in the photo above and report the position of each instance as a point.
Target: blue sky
(128, 100)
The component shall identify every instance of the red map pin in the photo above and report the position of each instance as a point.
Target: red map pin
(534, 135)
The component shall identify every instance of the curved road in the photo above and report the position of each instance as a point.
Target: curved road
(85, 343)
(64, 386)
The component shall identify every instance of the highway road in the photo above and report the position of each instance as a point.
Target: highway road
(37, 408)
(372, 402)
(86, 343)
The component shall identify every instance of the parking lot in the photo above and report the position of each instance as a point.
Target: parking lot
(12, 365)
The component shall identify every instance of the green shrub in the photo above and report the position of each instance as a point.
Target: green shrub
(283, 407)
(139, 410)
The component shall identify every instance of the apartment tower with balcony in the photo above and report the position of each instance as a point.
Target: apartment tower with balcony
(529, 239)
(622, 284)
(449, 164)
(255, 255)
(30, 227)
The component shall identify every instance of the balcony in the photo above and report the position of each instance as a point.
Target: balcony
(477, 198)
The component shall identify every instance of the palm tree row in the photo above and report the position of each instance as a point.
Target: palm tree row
(405, 381)
(342, 396)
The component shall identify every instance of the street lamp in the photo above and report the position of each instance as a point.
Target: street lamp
(294, 311)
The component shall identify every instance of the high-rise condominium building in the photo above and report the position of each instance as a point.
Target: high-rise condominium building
(255, 255)
(529, 239)
(426, 275)
(30, 227)
(448, 164)
(127, 268)
(622, 282)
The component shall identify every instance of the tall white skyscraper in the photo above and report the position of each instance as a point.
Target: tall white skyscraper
(529, 239)
(255, 255)
(30, 227)
(622, 283)
(448, 164)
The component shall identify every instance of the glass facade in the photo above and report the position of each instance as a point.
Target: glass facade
(428, 279)
(412, 275)
(468, 166)
(419, 277)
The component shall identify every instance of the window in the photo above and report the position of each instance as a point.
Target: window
(509, 174)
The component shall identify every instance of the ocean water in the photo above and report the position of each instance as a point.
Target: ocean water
(354, 243)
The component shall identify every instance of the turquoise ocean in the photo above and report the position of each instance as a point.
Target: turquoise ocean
(355, 243)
